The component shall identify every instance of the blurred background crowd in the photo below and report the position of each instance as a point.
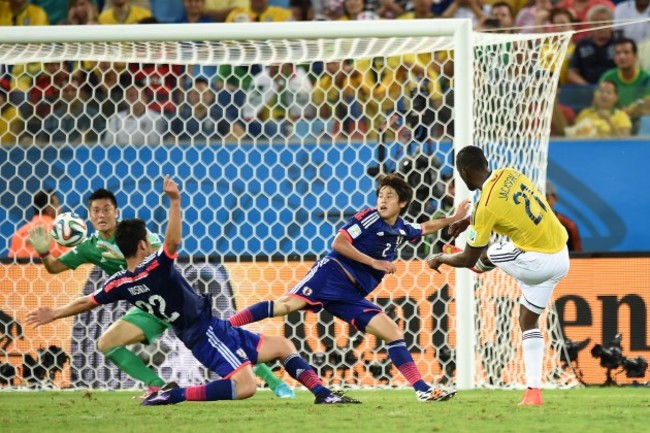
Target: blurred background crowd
(604, 85)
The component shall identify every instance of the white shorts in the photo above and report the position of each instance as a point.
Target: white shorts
(537, 273)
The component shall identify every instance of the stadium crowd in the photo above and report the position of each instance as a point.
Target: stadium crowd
(604, 84)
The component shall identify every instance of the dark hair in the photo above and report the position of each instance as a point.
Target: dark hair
(471, 158)
(613, 83)
(102, 193)
(560, 11)
(41, 200)
(632, 42)
(401, 187)
(128, 234)
(504, 4)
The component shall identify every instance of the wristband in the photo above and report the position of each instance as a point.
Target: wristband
(43, 255)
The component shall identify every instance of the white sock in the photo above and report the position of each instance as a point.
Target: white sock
(533, 345)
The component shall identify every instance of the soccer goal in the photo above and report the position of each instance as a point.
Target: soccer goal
(276, 134)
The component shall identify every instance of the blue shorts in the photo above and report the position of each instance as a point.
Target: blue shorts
(225, 349)
(327, 286)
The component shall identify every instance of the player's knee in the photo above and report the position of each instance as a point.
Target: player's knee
(245, 388)
(106, 342)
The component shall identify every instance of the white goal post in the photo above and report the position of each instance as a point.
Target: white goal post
(502, 87)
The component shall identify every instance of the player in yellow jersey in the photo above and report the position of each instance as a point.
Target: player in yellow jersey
(536, 254)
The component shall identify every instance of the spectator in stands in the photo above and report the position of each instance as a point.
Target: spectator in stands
(44, 94)
(581, 9)
(390, 9)
(233, 84)
(105, 82)
(73, 121)
(56, 10)
(504, 12)
(397, 82)
(11, 124)
(562, 117)
(595, 54)
(81, 12)
(632, 82)
(603, 119)
(160, 80)
(46, 208)
(573, 243)
(302, 10)
(123, 12)
(278, 94)
(167, 11)
(534, 18)
(194, 12)
(219, 10)
(199, 119)
(633, 10)
(475, 10)
(338, 94)
(561, 20)
(356, 10)
(135, 123)
(259, 11)
(21, 13)
(327, 9)
(421, 10)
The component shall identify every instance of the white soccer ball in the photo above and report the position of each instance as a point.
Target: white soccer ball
(69, 229)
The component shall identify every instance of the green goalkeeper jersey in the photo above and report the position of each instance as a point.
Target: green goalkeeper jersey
(103, 253)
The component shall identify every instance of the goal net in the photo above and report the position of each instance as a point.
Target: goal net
(276, 140)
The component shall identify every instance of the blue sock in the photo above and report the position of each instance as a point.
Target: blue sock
(223, 389)
(403, 360)
(300, 370)
(254, 313)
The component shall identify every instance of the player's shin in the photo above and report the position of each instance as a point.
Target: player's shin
(300, 370)
(533, 347)
(132, 365)
(404, 362)
(254, 313)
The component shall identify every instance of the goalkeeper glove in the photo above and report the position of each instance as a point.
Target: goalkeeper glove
(40, 238)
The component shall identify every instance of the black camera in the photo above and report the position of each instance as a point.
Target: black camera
(611, 355)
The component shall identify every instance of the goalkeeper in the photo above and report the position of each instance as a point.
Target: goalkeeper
(136, 326)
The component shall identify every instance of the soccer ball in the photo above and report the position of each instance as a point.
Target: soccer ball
(69, 229)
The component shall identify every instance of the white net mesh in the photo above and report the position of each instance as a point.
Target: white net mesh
(275, 143)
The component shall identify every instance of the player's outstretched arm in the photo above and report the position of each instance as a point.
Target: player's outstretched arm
(465, 259)
(40, 238)
(174, 233)
(45, 315)
(433, 226)
(343, 246)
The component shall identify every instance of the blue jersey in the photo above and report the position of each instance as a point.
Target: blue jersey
(371, 235)
(158, 288)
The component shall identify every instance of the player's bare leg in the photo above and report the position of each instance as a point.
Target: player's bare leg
(112, 344)
(383, 327)
(533, 348)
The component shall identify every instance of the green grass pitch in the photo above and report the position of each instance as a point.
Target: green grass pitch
(383, 411)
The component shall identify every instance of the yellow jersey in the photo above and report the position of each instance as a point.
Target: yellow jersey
(270, 14)
(510, 205)
(136, 13)
(31, 15)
